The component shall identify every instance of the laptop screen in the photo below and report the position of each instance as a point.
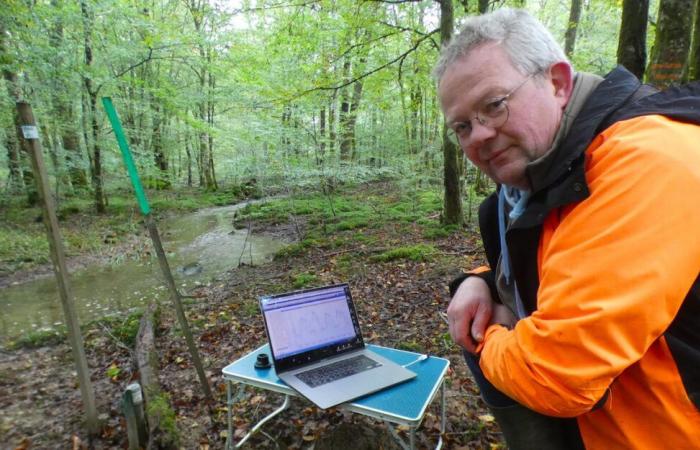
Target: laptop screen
(305, 326)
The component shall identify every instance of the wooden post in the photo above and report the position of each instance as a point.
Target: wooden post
(29, 134)
(177, 302)
(132, 405)
(155, 237)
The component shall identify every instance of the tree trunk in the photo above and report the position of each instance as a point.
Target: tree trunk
(452, 199)
(693, 72)
(414, 122)
(348, 139)
(206, 175)
(14, 181)
(63, 112)
(211, 108)
(344, 113)
(162, 177)
(332, 123)
(672, 43)
(483, 6)
(188, 150)
(572, 27)
(632, 48)
(96, 175)
(18, 166)
(322, 135)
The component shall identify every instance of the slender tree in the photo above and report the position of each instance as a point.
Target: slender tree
(631, 48)
(483, 6)
(92, 92)
(63, 107)
(672, 42)
(693, 72)
(452, 202)
(15, 181)
(572, 27)
(18, 164)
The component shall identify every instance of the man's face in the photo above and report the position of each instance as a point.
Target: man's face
(534, 110)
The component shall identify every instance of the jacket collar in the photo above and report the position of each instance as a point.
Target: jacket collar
(565, 182)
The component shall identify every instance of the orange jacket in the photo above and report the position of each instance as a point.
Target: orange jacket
(614, 270)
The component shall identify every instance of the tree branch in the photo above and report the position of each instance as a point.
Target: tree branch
(134, 66)
(366, 74)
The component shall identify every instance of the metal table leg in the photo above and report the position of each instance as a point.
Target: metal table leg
(443, 418)
(229, 404)
(257, 426)
(398, 438)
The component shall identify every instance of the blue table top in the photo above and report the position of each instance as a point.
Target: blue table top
(403, 403)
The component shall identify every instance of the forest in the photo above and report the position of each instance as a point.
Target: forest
(324, 115)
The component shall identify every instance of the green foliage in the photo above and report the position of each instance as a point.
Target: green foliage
(303, 279)
(437, 231)
(298, 248)
(39, 338)
(250, 308)
(124, 329)
(113, 371)
(251, 109)
(22, 247)
(158, 410)
(352, 223)
(419, 252)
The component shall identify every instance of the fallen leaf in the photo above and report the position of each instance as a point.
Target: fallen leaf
(25, 444)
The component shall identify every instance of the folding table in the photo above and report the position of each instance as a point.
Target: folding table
(402, 404)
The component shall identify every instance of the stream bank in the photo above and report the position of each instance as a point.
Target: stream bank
(200, 245)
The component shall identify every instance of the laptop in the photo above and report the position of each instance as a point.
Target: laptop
(318, 350)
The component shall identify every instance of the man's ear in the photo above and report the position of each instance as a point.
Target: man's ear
(562, 76)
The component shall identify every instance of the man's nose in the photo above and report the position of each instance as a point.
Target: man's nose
(481, 134)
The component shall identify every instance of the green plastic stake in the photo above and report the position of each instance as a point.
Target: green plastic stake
(126, 153)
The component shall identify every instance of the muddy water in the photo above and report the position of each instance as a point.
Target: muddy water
(200, 246)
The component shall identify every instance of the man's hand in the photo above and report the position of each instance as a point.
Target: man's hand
(469, 313)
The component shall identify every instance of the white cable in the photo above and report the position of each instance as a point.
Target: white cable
(420, 358)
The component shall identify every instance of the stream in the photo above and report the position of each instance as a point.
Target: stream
(200, 246)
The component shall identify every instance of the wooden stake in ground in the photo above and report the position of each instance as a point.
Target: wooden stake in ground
(29, 135)
(155, 237)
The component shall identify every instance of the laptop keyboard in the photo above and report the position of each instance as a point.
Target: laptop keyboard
(337, 370)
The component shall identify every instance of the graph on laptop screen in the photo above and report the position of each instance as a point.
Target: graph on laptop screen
(305, 321)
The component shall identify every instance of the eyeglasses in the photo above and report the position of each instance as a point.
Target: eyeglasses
(493, 113)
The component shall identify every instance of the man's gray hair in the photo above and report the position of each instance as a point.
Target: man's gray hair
(529, 45)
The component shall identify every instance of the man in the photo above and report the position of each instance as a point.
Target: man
(584, 331)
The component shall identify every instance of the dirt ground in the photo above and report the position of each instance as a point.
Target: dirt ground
(398, 303)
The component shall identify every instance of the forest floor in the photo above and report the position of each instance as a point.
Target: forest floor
(398, 296)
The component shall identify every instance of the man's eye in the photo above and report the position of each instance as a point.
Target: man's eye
(463, 129)
(495, 107)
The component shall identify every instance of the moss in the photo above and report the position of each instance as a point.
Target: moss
(419, 252)
(437, 232)
(351, 224)
(123, 328)
(23, 247)
(291, 250)
(250, 308)
(303, 279)
(39, 338)
(159, 411)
